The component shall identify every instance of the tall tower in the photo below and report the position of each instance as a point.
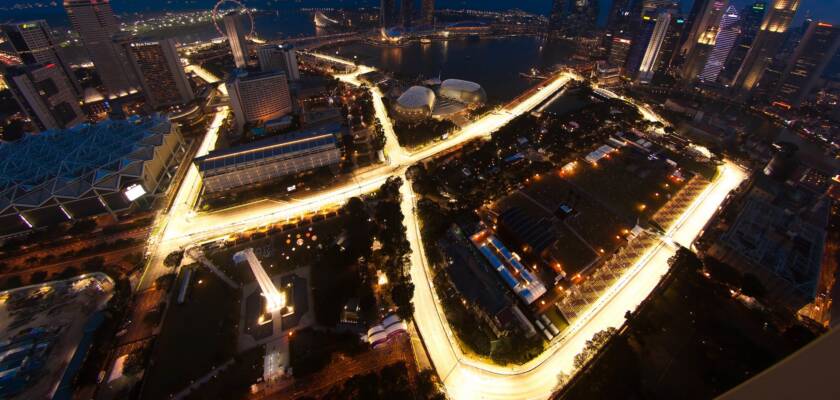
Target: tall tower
(767, 42)
(407, 13)
(639, 44)
(96, 25)
(33, 42)
(660, 32)
(161, 74)
(705, 21)
(701, 47)
(387, 13)
(279, 58)
(427, 12)
(557, 16)
(582, 18)
(808, 63)
(235, 31)
(45, 95)
(751, 17)
(728, 32)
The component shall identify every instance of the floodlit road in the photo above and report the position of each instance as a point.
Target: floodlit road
(464, 378)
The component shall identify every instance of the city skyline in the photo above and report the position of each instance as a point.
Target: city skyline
(416, 199)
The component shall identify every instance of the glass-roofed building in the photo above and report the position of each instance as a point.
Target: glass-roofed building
(84, 171)
(269, 159)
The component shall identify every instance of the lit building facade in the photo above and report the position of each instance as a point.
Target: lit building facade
(427, 12)
(235, 31)
(96, 25)
(808, 63)
(649, 62)
(258, 98)
(161, 74)
(279, 58)
(267, 160)
(767, 42)
(750, 22)
(728, 32)
(33, 42)
(45, 95)
(88, 170)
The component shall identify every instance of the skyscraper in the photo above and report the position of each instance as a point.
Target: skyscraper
(660, 32)
(235, 31)
(750, 22)
(728, 32)
(427, 12)
(669, 53)
(808, 63)
(639, 43)
(618, 51)
(407, 13)
(557, 16)
(258, 98)
(387, 13)
(161, 74)
(767, 42)
(33, 42)
(45, 95)
(96, 25)
(700, 47)
(279, 58)
(582, 18)
(704, 22)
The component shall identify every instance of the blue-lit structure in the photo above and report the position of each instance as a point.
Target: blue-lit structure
(509, 266)
(266, 160)
(87, 170)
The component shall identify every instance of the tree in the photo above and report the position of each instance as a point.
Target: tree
(723, 272)
(94, 264)
(752, 286)
(37, 277)
(174, 259)
(401, 294)
(68, 273)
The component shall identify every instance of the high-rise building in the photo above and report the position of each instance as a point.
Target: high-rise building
(558, 15)
(279, 58)
(235, 31)
(702, 42)
(387, 13)
(728, 32)
(45, 95)
(639, 43)
(670, 46)
(815, 51)
(618, 51)
(427, 12)
(767, 42)
(582, 18)
(161, 73)
(33, 42)
(750, 22)
(96, 25)
(660, 33)
(704, 16)
(258, 98)
(407, 13)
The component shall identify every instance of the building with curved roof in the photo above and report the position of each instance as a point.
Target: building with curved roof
(84, 171)
(416, 103)
(466, 92)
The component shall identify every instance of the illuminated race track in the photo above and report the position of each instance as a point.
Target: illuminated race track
(463, 377)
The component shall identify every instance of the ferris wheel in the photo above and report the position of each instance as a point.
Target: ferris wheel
(218, 13)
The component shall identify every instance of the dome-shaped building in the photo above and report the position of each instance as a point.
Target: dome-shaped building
(416, 103)
(466, 92)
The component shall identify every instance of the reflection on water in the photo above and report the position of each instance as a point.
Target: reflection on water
(495, 64)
